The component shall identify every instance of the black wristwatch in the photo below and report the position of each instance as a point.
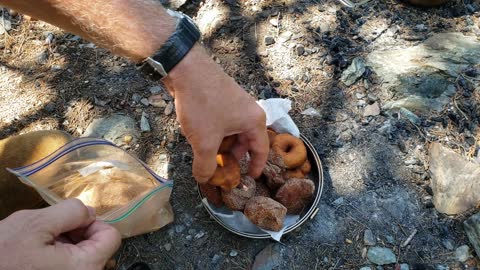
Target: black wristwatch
(186, 34)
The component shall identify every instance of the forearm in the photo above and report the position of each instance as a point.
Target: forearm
(131, 28)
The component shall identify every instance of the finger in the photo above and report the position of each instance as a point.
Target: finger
(204, 159)
(241, 147)
(101, 242)
(65, 216)
(258, 147)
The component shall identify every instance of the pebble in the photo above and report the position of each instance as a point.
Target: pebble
(421, 28)
(366, 268)
(157, 101)
(136, 97)
(233, 253)
(128, 139)
(274, 22)
(381, 255)
(169, 109)
(339, 201)
(372, 97)
(269, 40)
(5, 25)
(368, 238)
(360, 95)
(167, 246)
(371, 110)
(189, 237)
(462, 253)
(155, 90)
(144, 101)
(179, 228)
(199, 235)
(56, 68)
(410, 161)
(285, 36)
(361, 103)
(404, 266)
(144, 125)
(300, 50)
(42, 58)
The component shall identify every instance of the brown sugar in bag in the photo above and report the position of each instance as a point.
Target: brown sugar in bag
(123, 190)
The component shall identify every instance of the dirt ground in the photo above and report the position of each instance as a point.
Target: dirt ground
(67, 82)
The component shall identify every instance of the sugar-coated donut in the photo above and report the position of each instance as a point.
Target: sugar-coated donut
(295, 194)
(306, 167)
(291, 149)
(262, 190)
(227, 174)
(274, 175)
(265, 213)
(212, 193)
(236, 198)
(271, 136)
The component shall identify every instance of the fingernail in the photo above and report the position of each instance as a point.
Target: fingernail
(91, 211)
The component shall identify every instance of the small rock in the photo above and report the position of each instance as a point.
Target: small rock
(56, 68)
(381, 255)
(216, 259)
(144, 101)
(144, 125)
(179, 228)
(50, 107)
(372, 97)
(413, 118)
(199, 235)
(42, 58)
(269, 40)
(274, 22)
(404, 266)
(113, 128)
(285, 36)
(366, 268)
(454, 192)
(462, 253)
(157, 101)
(421, 28)
(300, 50)
(339, 201)
(136, 97)
(233, 253)
(189, 237)
(169, 109)
(359, 95)
(49, 39)
(269, 258)
(5, 25)
(410, 161)
(167, 246)
(368, 238)
(472, 229)
(353, 72)
(441, 267)
(311, 112)
(155, 90)
(128, 139)
(361, 103)
(371, 110)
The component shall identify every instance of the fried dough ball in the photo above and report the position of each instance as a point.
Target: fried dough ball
(271, 136)
(295, 173)
(295, 194)
(274, 175)
(236, 198)
(265, 213)
(212, 193)
(306, 167)
(227, 144)
(227, 174)
(262, 190)
(292, 150)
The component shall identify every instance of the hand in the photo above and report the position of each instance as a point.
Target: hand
(211, 106)
(63, 236)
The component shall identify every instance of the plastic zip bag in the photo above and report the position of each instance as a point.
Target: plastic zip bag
(123, 190)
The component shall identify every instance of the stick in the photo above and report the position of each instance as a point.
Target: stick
(407, 241)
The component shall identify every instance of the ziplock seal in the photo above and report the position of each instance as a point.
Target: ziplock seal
(68, 148)
(139, 203)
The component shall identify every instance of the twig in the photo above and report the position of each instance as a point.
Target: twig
(407, 241)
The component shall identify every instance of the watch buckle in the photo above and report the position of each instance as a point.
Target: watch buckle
(157, 66)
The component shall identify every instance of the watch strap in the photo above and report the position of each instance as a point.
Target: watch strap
(173, 51)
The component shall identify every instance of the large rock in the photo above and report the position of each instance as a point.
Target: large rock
(381, 255)
(455, 181)
(114, 128)
(472, 229)
(423, 76)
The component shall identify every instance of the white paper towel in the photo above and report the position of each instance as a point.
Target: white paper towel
(276, 110)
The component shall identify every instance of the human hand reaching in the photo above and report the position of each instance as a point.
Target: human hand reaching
(210, 105)
(63, 236)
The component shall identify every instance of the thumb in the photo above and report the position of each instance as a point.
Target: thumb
(66, 216)
(204, 160)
